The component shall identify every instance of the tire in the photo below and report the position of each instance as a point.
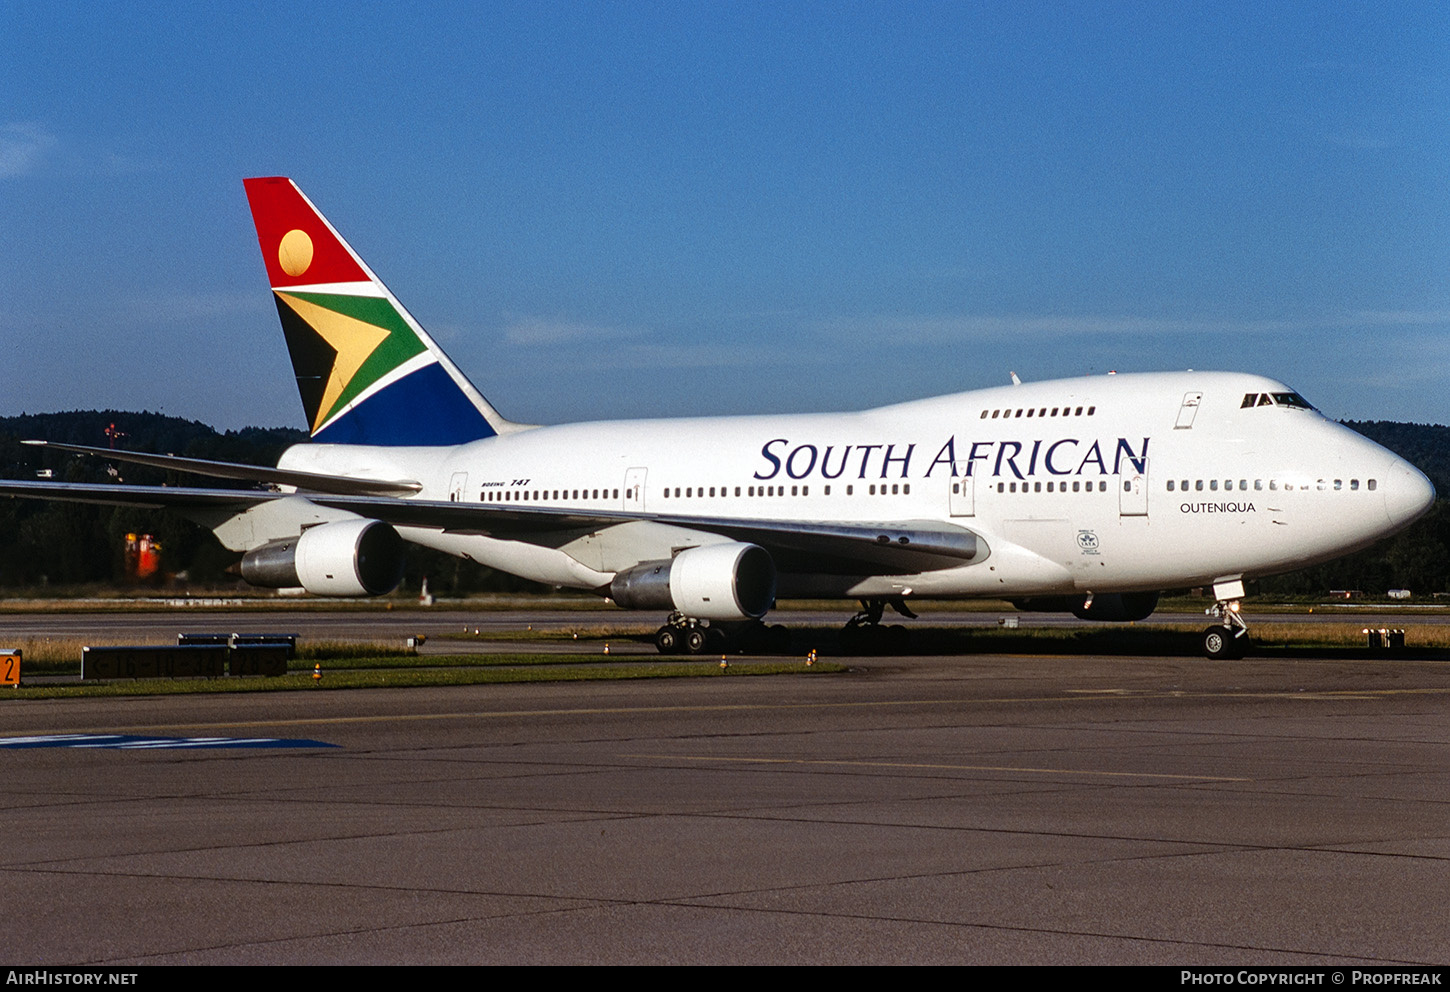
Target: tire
(1219, 644)
(667, 639)
(694, 641)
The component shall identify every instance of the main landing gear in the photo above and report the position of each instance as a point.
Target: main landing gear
(1228, 639)
(686, 635)
(865, 633)
(682, 635)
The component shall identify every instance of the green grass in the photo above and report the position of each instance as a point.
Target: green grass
(62, 655)
(329, 651)
(520, 668)
(585, 632)
(419, 662)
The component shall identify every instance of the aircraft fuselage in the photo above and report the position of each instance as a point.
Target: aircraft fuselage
(1109, 483)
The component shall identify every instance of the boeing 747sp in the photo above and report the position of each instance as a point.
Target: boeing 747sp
(1088, 494)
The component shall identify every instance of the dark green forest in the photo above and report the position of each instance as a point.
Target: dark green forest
(61, 546)
(58, 546)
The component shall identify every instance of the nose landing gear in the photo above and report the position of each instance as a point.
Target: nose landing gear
(864, 633)
(1228, 639)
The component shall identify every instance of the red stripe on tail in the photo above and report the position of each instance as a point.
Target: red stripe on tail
(315, 255)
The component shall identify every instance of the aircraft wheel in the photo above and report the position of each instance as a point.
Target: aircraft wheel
(694, 641)
(667, 639)
(1219, 644)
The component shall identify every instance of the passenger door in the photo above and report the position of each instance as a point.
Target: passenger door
(634, 479)
(962, 501)
(1133, 490)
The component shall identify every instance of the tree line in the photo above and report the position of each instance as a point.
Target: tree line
(52, 545)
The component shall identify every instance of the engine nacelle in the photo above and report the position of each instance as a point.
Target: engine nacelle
(1107, 606)
(733, 581)
(343, 558)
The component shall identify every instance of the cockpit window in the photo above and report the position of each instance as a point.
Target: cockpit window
(1275, 399)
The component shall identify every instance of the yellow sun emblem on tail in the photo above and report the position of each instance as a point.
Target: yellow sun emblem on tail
(294, 254)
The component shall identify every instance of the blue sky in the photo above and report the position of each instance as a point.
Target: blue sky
(638, 209)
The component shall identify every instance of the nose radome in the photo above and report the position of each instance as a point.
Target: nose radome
(1408, 494)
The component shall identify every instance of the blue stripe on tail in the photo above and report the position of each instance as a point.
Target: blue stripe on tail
(422, 409)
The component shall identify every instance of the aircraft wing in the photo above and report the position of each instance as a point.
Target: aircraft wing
(864, 547)
(851, 547)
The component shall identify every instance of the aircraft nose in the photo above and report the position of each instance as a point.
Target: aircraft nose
(1408, 494)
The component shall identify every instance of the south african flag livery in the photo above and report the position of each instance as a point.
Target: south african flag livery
(367, 372)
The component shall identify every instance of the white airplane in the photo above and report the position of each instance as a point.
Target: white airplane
(1089, 495)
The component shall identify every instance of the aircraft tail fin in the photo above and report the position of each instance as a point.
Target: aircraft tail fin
(367, 371)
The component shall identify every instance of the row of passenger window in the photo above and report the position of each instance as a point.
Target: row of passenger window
(904, 489)
(680, 492)
(1057, 411)
(700, 492)
(1273, 485)
(1036, 487)
(534, 495)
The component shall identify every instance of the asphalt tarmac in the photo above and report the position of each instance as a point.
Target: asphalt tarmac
(978, 810)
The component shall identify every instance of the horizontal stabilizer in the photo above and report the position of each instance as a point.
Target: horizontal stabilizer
(311, 481)
(149, 497)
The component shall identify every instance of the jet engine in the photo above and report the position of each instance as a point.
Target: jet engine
(733, 581)
(342, 558)
(1108, 606)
